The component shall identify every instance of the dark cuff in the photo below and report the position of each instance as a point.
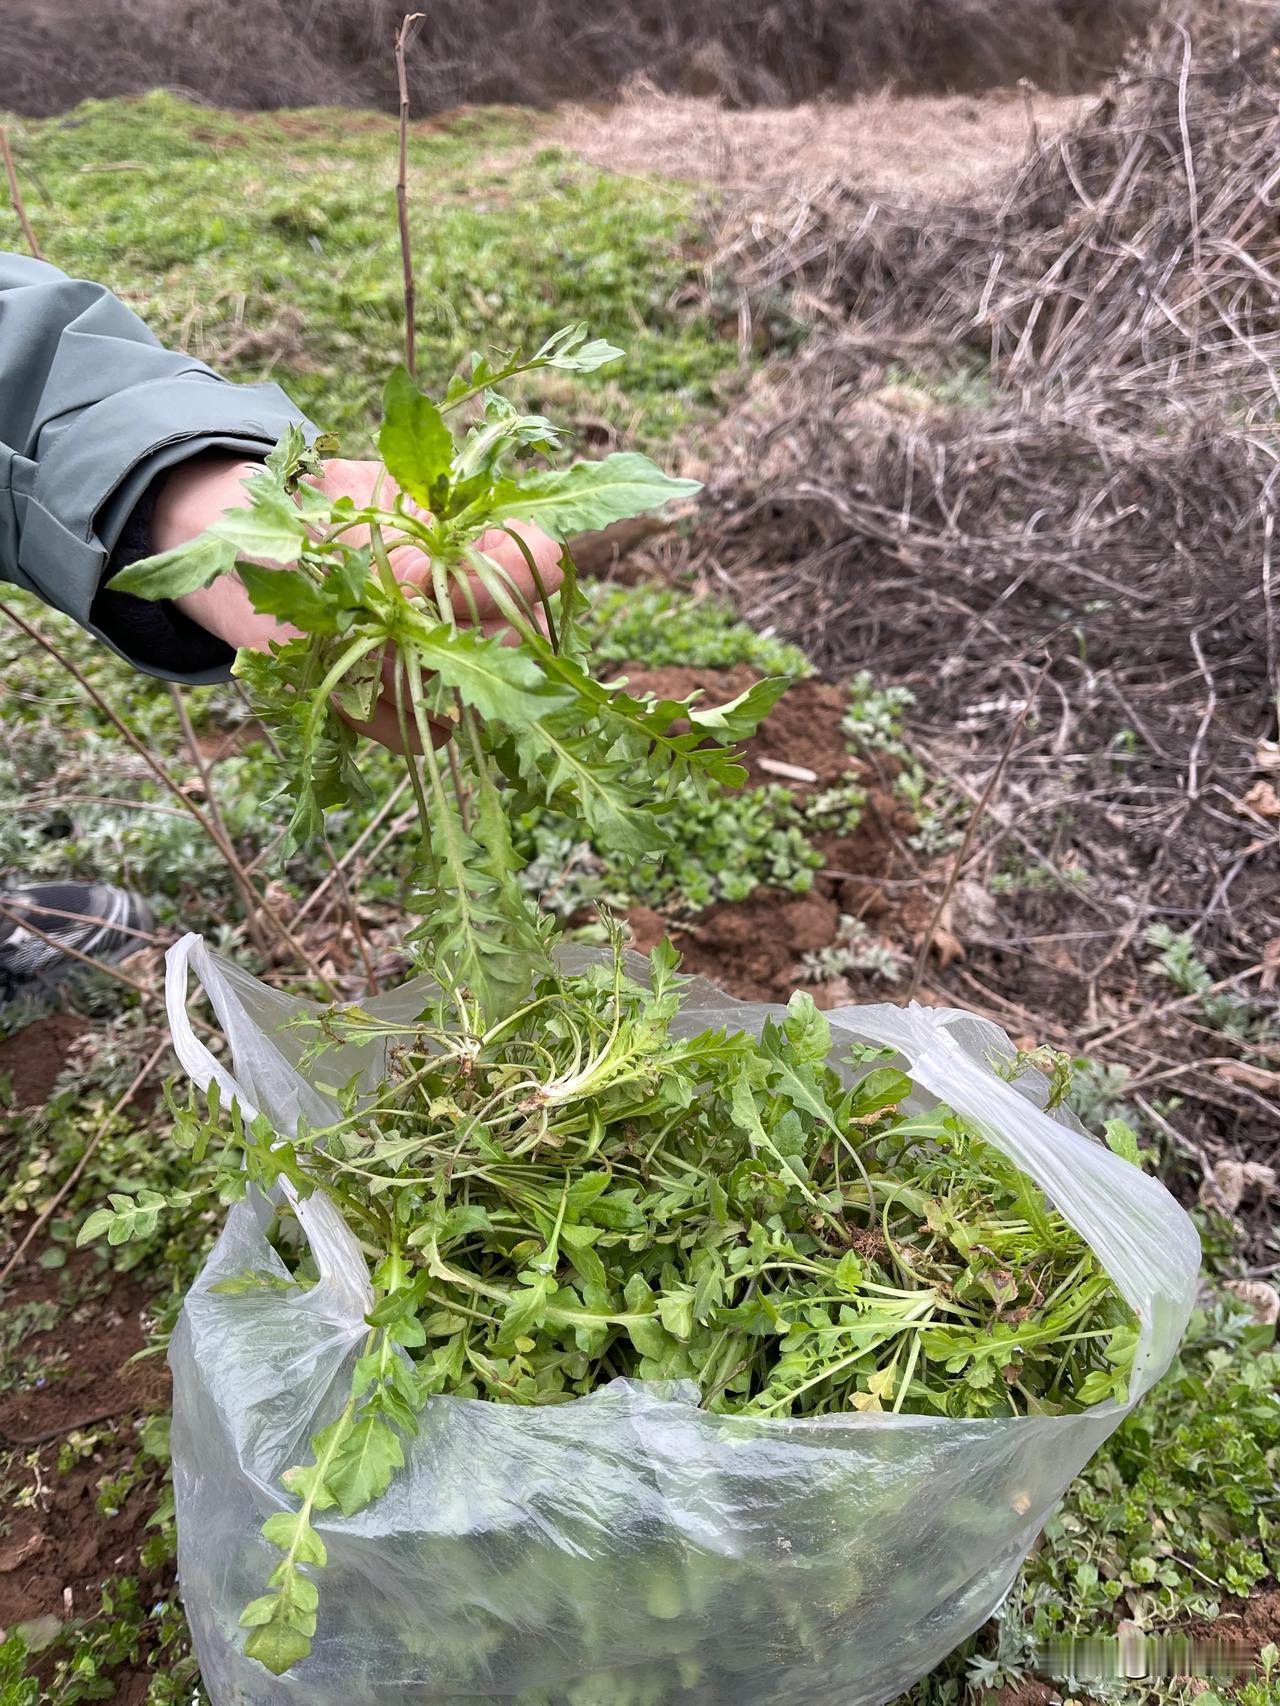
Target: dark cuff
(153, 634)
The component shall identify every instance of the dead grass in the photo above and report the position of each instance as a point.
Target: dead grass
(747, 52)
(912, 147)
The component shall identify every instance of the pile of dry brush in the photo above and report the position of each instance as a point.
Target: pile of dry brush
(1046, 421)
(271, 53)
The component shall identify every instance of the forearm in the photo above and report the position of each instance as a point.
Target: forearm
(93, 413)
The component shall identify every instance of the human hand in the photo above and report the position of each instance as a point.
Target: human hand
(197, 492)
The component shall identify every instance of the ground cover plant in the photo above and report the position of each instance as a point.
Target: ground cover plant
(244, 238)
(553, 1188)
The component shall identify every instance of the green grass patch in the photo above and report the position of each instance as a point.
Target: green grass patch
(663, 627)
(266, 243)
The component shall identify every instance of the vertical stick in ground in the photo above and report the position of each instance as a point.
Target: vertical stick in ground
(404, 36)
(15, 196)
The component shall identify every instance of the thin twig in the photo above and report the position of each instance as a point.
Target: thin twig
(970, 829)
(247, 896)
(348, 903)
(383, 810)
(15, 196)
(1152, 1015)
(224, 846)
(404, 36)
(56, 804)
(1211, 705)
(68, 1185)
(1193, 198)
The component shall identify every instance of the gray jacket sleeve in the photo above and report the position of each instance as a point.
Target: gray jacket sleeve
(92, 409)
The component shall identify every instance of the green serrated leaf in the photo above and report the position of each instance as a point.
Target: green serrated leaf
(675, 1311)
(807, 1029)
(277, 1643)
(1122, 1140)
(588, 495)
(290, 1529)
(503, 683)
(526, 1310)
(364, 1464)
(97, 1223)
(270, 525)
(293, 458)
(173, 574)
(741, 717)
(291, 597)
(883, 1088)
(414, 442)
(569, 350)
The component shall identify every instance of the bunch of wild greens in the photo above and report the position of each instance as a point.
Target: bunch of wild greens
(560, 1179)
(527, 724)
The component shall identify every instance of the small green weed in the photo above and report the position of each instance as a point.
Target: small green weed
(875, 719)
(967, 386)
(662, 627)
(875, 723)
(18, 1322)
(1179, 961)
(130, 1149)
(855, 950)
(720, 850)
(1018, 876)
(126, 1632)
(17, 1686)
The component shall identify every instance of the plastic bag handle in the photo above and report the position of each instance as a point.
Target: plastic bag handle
(200, 1065)
(343, 1293)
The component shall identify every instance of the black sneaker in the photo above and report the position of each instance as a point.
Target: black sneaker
(95, 919)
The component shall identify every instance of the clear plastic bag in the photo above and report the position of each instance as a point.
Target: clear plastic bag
(628, 1548)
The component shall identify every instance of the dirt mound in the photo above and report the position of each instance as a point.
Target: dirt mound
(754, 948)
(233, 53)
(33, 1057)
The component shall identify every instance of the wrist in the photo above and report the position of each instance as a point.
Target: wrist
(194, 494)
(191, 497)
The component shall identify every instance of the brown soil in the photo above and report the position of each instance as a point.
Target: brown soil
(1255, 1622)
(36, 1055)
(58, 1550)
(752, 947)
(1025, 1693)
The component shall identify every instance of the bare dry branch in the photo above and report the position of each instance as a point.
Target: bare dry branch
(15, 196)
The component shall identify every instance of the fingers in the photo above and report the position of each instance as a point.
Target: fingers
(544, 552)
(384, 725)
(473, 604)
(365, 481)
